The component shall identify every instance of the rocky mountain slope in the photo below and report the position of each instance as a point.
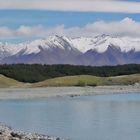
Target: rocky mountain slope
(98, 51)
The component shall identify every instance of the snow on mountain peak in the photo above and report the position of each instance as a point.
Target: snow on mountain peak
(87, 43)
(61, 42)
(83, 44)
(101, 43)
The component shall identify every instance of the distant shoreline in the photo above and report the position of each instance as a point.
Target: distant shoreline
(41, 93)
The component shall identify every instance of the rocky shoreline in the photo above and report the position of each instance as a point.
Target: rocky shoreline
(42, 93)
(6, 133)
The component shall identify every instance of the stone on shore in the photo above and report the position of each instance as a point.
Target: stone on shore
(6, 133)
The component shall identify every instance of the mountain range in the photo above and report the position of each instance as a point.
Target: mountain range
(96, 51)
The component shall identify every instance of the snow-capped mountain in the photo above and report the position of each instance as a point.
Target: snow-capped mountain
(98, 50)
(101, 43)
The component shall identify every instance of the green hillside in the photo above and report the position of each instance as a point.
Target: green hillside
(35, 73)
(80, 80)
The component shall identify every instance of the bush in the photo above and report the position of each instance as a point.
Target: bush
(81, 83)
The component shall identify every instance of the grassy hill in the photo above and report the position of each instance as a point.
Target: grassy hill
(8, 82)
(88, 80)
(36, 73)
(123, 80)
(80, 80)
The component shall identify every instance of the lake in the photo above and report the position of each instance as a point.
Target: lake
(102, 117)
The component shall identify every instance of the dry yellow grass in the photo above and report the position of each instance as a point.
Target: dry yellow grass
(123, 80)
(8, 82)
(82, 80)
(87, 80)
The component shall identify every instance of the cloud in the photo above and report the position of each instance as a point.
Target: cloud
(125, 27)
(123, 6)
(22, 31)
(29, 31)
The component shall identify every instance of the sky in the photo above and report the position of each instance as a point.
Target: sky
(30, 19)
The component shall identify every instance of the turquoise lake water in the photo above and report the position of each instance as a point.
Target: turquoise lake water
(102, 117)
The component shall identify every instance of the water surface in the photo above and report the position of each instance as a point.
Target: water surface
(102, 117)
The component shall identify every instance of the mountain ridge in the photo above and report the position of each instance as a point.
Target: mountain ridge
(98, 50)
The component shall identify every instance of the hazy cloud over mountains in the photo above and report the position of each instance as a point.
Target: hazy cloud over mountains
(125, 27)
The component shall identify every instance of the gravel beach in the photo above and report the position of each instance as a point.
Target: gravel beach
(36, 93)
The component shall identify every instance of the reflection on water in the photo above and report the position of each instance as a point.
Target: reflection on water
(104, 117)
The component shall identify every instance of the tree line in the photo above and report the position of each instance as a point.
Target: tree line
(37, 72)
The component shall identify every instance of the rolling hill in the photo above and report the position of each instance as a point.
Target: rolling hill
(80, 80)
(8, 82)
(87, 80)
